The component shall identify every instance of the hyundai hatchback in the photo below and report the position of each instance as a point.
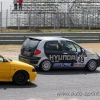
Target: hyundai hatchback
(55, 52)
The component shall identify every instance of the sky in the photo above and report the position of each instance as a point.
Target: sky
(6, 4)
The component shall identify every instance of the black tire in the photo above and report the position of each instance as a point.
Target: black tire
(91, 66)
(20, 77)
(46, 65)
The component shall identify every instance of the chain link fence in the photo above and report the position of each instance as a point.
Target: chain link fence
(55, 14)
(1, 18)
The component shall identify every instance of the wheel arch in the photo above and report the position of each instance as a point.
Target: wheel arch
(40, 65)
(19, 71)
(94, 60)
(44, 60)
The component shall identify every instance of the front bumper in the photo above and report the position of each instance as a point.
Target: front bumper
(98, 60)
(32, 76)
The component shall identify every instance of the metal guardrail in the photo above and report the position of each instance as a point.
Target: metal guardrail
(18, 38)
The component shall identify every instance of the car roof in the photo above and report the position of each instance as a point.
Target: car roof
(50, 38)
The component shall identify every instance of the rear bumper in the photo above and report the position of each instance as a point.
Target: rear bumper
(30, 60)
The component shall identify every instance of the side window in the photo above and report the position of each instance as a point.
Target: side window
(1, 59)
(70, 46)
(78, 48)
(52, 45)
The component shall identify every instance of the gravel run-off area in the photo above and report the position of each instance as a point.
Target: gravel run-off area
(12, 51)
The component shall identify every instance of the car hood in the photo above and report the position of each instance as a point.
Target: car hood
(20, 64)
(90, 53)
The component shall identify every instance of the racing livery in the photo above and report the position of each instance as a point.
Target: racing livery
(53, 52)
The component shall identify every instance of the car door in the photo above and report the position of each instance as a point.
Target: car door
(53, 52)
(4, 69)
(73, 54)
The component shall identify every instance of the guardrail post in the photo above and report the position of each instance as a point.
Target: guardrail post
(83, 19)
(68, 16)
(54, 22)
(6, 18)
(1, 18)
(18, 23)
(29, 22)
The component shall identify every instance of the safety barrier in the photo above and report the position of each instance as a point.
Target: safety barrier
(18, 38)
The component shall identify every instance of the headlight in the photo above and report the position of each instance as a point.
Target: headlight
(33, 70)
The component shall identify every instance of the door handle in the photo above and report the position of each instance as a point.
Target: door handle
(65, 53)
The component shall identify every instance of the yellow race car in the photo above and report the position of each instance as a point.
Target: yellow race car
(16, 71)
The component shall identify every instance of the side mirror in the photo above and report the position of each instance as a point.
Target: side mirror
(82, 50)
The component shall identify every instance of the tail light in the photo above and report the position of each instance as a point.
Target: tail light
(37, 52)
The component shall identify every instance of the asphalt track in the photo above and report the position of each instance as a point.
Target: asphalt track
(65, 84)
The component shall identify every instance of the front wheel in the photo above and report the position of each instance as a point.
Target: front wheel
(45, 65)
(20, 77)
(92, 65)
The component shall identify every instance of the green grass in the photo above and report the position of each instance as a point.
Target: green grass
(48, 30)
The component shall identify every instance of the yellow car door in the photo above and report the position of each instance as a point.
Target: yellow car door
(4, 69)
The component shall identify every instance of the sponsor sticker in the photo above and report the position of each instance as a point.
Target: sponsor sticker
(62, 64)
(91, 54)
(79, 65)
(82, 54)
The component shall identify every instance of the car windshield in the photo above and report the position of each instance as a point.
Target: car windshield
(31, 42)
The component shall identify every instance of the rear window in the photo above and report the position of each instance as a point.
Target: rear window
(30, 42)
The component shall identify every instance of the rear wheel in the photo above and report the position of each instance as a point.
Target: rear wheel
(46, 65)
(20, 77)
(92, 65)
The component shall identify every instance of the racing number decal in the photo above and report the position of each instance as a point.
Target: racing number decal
(81, 56)
(81, 59)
